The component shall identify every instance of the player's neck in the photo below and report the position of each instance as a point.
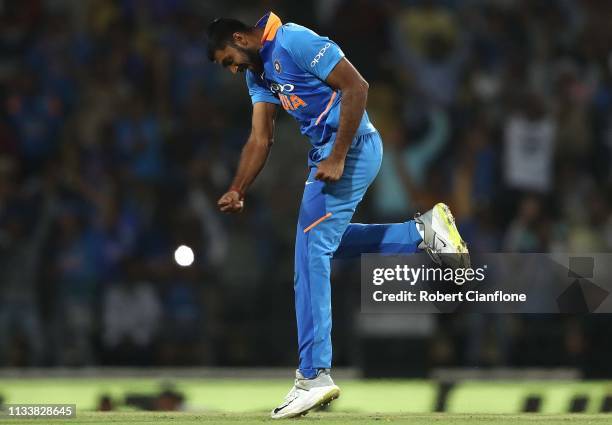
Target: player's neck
(257, 34)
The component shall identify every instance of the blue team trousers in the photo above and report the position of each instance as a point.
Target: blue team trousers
(324, 232)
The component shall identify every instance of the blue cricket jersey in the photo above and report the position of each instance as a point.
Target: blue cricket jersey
(296, 63)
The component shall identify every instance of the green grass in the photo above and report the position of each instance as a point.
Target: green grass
(362, 401)
(91, 418)
(222, 395)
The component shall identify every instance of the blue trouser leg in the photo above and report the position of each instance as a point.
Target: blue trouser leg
(324, 229)
(378, 238)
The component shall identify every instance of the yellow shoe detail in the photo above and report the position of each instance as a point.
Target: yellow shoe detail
(455, 238)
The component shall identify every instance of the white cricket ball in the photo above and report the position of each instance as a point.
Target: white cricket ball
(184, 256)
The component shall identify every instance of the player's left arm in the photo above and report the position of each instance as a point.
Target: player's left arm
(354, 87)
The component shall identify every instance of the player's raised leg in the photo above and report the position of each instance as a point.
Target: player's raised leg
(434, 232)
(392, 238)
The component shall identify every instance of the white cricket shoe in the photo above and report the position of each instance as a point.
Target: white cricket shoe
(307, 394)
(441, 239)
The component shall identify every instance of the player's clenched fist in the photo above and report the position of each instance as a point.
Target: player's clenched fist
(330, 170)
(231, 202)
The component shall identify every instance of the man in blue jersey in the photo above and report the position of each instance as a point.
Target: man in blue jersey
(309, 76)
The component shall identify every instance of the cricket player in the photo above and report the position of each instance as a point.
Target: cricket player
(309, 76)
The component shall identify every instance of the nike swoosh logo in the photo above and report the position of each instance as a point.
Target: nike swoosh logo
(278, 409)
(307, 183)
(441, 240)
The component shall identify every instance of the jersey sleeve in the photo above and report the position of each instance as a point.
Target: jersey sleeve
(259, 92)
(311, 52)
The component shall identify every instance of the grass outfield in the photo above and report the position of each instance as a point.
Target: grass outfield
(252, 396)
(91, 418)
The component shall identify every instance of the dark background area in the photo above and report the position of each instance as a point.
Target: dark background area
(117, 136)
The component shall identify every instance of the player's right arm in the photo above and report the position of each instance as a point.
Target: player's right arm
(253, 157)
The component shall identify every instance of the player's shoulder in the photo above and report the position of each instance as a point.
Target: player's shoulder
(294, 29)
(290, 34)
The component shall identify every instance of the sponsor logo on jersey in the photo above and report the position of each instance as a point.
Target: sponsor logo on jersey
(281, 88)
(289, 101)
(319, 55)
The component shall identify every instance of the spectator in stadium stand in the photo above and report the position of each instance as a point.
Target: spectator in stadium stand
(529, 142)
(408, 159)
(132, 317)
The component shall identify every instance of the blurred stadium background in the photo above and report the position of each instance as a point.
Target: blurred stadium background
(117, 136)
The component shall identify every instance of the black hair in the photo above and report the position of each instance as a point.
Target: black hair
(220, 33)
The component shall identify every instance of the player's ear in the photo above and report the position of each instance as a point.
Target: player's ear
(240, 39)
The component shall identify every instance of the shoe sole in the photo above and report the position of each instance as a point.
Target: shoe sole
(461, 255)
(326, 399)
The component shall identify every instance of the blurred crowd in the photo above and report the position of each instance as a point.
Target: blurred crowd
(117, 136)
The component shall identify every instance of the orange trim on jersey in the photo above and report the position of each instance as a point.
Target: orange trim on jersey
(329, 104)
(273, 24)
(325, 217)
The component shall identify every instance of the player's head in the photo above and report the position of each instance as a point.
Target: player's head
(234, 45)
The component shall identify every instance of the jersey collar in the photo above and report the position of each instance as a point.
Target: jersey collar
(270, 23)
